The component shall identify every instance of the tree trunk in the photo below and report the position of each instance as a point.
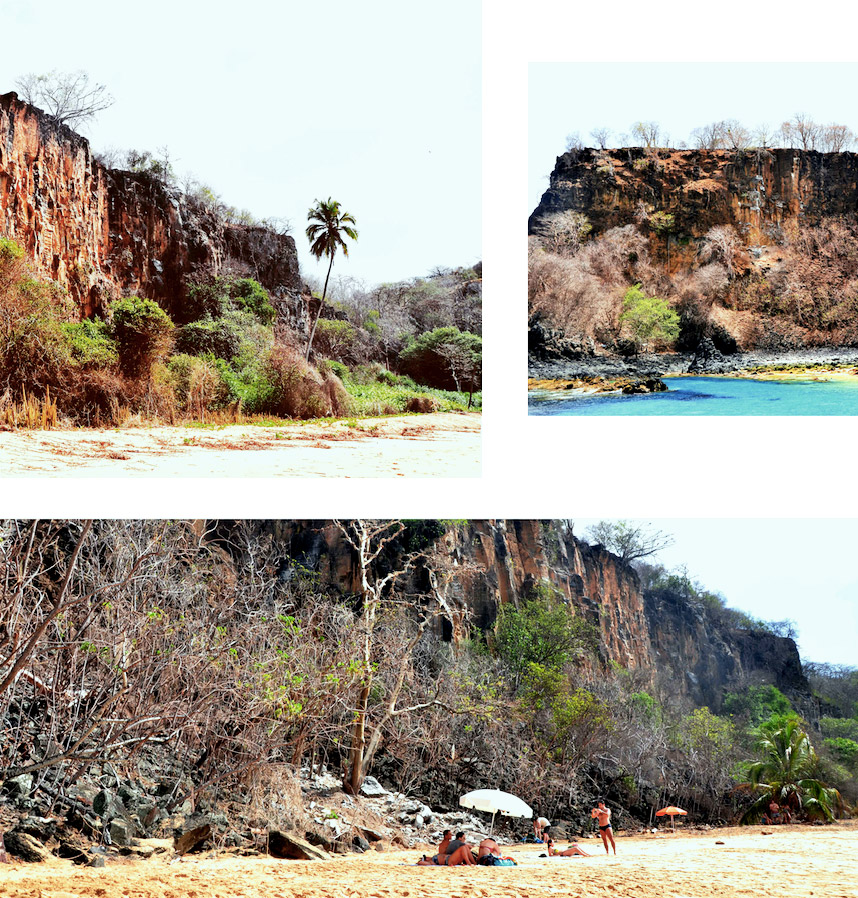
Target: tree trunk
(355, 779)
(321, 306)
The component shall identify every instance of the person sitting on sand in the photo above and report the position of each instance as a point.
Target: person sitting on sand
(458, 852)
(540, 827)
(488, 848)
(572, 851)
(603, 815)
(440, 857)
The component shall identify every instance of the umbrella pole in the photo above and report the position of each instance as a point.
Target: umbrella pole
(492, 829)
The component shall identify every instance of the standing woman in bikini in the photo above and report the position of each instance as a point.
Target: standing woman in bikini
(603, 815)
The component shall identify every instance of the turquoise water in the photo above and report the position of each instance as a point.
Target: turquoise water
(713, 396)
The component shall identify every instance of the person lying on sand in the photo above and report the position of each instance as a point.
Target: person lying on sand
(572, 851)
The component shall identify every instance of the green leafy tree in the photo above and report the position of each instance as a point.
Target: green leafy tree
(785, 774)
(144, 334)
(328, 227)
(649, 319)
(542, 632)
(446, 358)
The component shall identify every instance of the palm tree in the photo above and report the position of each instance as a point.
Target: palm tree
(325, 233)
(785, 775)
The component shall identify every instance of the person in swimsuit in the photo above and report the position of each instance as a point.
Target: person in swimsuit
(440, 857)
(540, 825)
(487, 847)
(458, 852)
(603, 815)
(572, 851)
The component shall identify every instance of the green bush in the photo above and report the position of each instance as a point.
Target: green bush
(91, 343)
(9, 251)
(649, 319)
(208, 336)
(446, 358)
(335, 338)
(252, 296)
(845, 751)
(215, 298)
(757, 704)
(335, 367)
(143, 333)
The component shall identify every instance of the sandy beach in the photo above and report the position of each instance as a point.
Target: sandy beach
(791, 862)
(438, 445)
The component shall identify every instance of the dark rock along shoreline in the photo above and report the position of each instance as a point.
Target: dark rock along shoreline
(703, 363)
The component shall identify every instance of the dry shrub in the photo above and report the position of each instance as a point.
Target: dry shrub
(31, 412)
(299, 391)
(422, 405)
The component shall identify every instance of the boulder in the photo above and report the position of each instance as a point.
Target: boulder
(26, 847)
(293, 848)
(191, 838)
(121, 832)
(372, 788)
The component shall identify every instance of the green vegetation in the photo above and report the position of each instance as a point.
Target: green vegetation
(326, 232)
(445, 358)
(143, 334)
(649, 319)
(785, 774)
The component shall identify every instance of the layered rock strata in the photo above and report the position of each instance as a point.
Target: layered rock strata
(102, 232)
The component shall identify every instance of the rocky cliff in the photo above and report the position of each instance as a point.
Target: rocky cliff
(102, 233)
(665, 637)
(762, 193)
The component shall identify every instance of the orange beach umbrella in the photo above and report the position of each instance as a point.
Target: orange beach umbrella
(672, 812)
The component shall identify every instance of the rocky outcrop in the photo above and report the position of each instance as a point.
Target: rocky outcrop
(761, 193)
(102, 233)
(669, 638)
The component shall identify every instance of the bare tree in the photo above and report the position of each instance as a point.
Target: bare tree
(574, 143)
(563, 233)
(806, 130)
(629, 541)
(69, 98)
(737, 135)
(648, 134)
(709, 137)
(837, 138)
(369, 539)
(601, 136)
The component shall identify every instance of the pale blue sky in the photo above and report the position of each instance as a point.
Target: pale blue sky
(801, 569)
(680, 96)
(376, 104)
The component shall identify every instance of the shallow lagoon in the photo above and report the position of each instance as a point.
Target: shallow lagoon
(711, 396)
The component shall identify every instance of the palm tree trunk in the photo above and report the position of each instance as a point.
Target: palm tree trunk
(321, 306)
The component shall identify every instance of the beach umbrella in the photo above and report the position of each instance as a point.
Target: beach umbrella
(672, 811)
(493, 801)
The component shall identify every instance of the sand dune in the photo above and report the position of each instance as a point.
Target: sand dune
(439, 445)
(792, 862)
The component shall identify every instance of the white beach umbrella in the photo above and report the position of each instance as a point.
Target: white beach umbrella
(493, 801)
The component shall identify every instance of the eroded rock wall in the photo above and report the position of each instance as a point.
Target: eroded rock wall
(102, 233)
(759, 192)
(665, 638)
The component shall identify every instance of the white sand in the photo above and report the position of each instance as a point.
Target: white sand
(439, 445)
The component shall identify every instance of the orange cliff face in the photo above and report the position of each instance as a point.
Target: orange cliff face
(762, 193)
(102, 233)
(661, 638)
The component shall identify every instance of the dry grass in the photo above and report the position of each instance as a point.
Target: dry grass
(31, 413)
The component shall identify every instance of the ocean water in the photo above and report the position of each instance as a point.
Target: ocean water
(712, 396)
